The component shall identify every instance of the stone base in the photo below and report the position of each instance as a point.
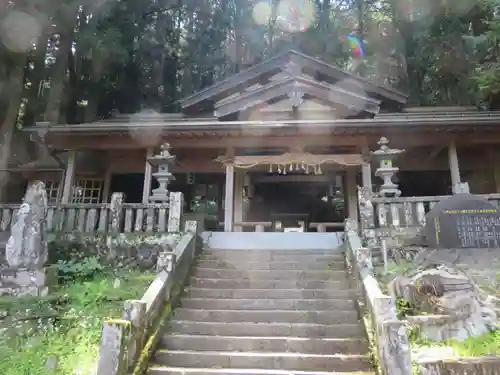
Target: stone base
(27, 281)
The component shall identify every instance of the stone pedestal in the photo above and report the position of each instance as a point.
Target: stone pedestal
(27, 281)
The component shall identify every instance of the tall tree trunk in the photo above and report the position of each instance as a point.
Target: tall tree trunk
(33, 106)
(8, 126)
(72, 113)
(53, 110)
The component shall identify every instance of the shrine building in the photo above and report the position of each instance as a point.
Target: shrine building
(284, 143)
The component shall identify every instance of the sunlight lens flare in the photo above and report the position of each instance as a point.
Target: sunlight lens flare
(262, 13)
(296, 15)
(143, 136)
(19, 31)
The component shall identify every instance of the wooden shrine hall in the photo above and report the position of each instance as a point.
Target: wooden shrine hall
(280, 145)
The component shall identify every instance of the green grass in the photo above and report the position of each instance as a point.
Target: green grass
(483, 346)
(71, 328)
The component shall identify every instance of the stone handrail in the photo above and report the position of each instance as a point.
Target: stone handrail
(403, 211)
(128, 344)
(115, 217)
(387, 333)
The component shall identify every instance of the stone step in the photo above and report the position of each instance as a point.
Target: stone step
(278, 361)
(242, 257)
(270, 274)
(333, 252)
(267, 304)
(276, 294)
(267, 284)
(266, 316)
(273, 265)
(264, 344)
(164, 370)
(344, 330)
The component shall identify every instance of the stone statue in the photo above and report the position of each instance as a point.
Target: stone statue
(27, 245)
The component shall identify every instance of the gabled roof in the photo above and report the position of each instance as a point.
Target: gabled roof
(296, 88)
(308, 74)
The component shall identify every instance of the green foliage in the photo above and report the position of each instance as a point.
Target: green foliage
(482, 346)
(73, 250)
(403, 308)
(72, 330)
(84, 270)
(485, 345)
(135, 55)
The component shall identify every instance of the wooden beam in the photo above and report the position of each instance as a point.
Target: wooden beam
(266, 140)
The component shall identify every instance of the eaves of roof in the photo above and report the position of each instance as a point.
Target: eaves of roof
(403, 121)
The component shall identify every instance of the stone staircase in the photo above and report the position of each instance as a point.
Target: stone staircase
(265, 312)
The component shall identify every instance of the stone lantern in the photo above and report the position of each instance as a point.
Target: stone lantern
(162, 162)
(386, 170)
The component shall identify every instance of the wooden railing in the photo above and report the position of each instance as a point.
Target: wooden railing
(89, 218)
(410, 211)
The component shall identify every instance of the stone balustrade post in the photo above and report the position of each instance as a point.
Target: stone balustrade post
(166, 261)
(116, 208)
(397, 348)
(367, 217)
(176, 205)
(113, 348)
(134, 311)
(192, 227)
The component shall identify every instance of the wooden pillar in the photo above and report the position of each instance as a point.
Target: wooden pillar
(146, 190)
(496, 177)
(69, 178)
(238, 197)
(229, 199)
(495, 170)
(366, 168)
(249, 185)
(351, 194)
(106, 190)
(453, 161)
(366, 172)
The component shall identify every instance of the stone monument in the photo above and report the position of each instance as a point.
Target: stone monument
(26, 251)
(463, 221)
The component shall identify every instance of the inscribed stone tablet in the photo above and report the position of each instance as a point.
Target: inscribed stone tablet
(463, 221)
